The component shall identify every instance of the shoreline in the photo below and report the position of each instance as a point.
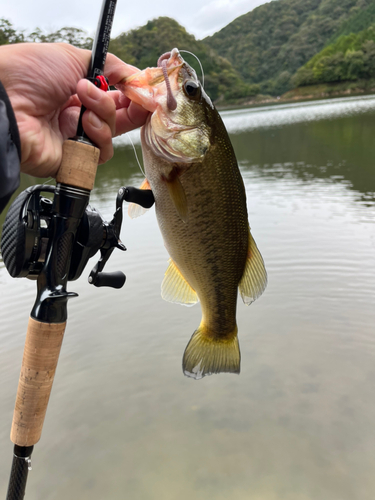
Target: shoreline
(305, 94)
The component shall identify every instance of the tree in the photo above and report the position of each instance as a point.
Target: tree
(350, 57)
(74, 36)
(284, 35)
(8, 34)
(143, 46)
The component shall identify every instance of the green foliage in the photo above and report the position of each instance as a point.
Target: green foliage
(277, 46)
(74, 36)
(277, 38)
(351, 57)
(361, 18)
(8, 34)
(143, 46)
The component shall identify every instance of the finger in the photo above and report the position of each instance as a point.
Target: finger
(100, 133)
(68, 121)
(130, 118)
(120, 99)
(97, 101)
(96, 129)
(116, 70)
(71, 102)
(129, 115)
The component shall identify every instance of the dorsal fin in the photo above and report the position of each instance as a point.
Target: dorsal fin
(175, 288)
(135, 210)
(254, 278)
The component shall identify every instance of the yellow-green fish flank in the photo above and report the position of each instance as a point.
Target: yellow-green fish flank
(200, 204)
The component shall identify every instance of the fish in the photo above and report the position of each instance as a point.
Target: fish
(200, 204)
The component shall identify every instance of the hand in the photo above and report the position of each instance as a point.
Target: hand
(44, 84)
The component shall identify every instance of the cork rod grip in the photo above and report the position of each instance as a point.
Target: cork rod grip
(41, 353)
(79, 164)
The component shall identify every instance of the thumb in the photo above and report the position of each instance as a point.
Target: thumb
(115, 69)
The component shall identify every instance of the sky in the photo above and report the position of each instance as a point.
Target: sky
(199, 17)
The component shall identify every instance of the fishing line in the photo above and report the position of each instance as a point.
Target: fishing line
(200, 64)
(128, 136)
(135, 153)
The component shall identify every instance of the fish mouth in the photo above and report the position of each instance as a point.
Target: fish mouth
(159, 90)
(156, 77)
(148, 86)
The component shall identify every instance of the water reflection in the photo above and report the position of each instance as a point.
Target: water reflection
(340, 150)
(297, 424)
(287, 114)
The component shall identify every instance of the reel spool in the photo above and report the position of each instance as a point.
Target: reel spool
(28, 231)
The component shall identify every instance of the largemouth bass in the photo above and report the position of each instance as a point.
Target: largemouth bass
(200, 204)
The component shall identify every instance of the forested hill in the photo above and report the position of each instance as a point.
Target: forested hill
(143, 46)
(268, 44)
(349, 58)
(359, 21)
(266, 52)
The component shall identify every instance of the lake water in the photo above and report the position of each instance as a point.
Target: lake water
(298, 423)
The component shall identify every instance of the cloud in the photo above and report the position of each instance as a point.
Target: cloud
(201, 18)
(216, 14)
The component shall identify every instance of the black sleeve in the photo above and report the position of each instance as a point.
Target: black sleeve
(10, 150)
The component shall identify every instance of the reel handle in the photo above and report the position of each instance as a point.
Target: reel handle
(113, 280)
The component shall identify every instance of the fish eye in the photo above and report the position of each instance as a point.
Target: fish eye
(191, 88)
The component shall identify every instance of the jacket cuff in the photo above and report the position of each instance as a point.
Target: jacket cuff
(10, 150)
(13, 127)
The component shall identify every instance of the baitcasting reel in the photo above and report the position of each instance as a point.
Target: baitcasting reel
(29, 229)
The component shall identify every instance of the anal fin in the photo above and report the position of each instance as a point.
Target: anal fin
(135, 210)
(254, 278)
(175, 288)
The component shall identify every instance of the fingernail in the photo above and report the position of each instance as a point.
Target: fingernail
(93, 91)
(95, 120)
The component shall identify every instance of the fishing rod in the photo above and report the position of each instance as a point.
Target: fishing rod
(51, 240)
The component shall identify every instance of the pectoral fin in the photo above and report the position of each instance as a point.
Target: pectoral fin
(254, 279)
(176, 289)
(135, 210)
(178, 196)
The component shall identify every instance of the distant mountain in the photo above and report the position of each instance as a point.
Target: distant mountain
(143, 46)
(268, 44)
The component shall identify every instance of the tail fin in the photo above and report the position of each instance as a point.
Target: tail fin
(205, 355)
